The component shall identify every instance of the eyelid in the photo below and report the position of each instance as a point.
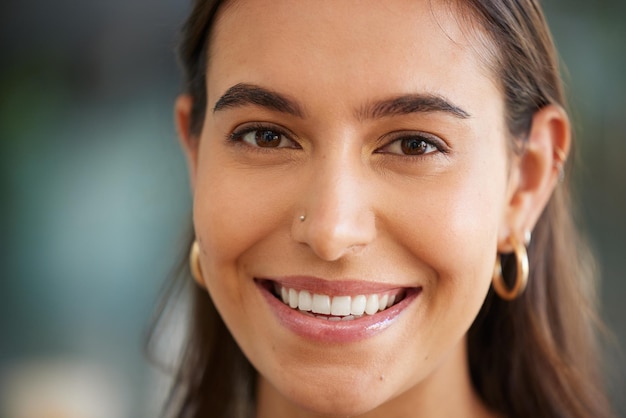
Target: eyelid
(246, 128)
(432, 139)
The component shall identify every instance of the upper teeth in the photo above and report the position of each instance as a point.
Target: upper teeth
(344, 306)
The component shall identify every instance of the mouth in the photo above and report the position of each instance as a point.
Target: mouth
(336, 308)
(335, 311)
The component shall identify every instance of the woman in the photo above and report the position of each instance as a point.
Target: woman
(380, 223)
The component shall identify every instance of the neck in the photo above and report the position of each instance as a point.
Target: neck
(446, 392)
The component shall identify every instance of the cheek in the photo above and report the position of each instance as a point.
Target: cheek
(470, 209)
(465, 251)
(234, 210)
(231, 214)
(452, 232)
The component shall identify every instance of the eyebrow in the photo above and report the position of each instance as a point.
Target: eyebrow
(411, 103)
(244, 94)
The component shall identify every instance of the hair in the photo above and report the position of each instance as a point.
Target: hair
(534, 356)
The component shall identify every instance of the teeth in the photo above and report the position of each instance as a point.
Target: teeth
(371, 307)
(335, 308)
(382, 302)
(321, 304)
(304, 301)
(293, 298)
(358, 305)
(340, 306)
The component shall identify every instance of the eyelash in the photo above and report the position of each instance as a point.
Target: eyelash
(425, 138)
(237, 137)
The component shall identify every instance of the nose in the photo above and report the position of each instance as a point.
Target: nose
(336, 215)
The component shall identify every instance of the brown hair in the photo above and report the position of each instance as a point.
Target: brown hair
(533, 357)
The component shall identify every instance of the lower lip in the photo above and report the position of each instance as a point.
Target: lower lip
(336, 331)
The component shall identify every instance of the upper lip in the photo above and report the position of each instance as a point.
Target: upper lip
(335, 287)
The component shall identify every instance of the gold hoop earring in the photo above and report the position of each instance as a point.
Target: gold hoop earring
(521, 278)
(194, 263)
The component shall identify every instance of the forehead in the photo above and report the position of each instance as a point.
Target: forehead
(345, 47)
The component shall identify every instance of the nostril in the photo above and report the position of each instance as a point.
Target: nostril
(334, 235)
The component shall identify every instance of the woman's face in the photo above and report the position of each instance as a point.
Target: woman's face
(355, 153)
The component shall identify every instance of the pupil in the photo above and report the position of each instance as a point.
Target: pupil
(413, 146)
(267, 139)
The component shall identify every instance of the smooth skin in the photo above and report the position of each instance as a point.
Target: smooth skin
(373, 213)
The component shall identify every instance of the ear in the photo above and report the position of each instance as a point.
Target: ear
(189, 143)
(535, 173)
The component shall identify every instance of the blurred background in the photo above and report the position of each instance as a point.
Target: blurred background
(95, 201)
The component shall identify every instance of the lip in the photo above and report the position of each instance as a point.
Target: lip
(322, 330)
(334, 287)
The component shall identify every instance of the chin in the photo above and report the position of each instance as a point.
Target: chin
(339, 405)
(347, 397)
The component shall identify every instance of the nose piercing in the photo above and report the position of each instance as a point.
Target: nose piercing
(302, 218)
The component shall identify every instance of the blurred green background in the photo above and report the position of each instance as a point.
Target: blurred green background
(95, 197)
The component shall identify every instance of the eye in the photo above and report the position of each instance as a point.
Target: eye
(412, 144)
(263, 137)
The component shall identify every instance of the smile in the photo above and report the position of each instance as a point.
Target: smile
(335, 311)
(336, 308)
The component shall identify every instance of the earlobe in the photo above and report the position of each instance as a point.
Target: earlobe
(536, 173)
(188, 142)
